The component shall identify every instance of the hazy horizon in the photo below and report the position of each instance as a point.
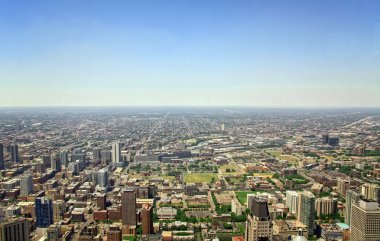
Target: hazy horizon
(313, 54)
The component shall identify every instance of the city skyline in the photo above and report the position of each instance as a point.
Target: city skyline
(214, 53)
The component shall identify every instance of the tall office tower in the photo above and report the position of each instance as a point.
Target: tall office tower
(116, 152)
(325, 139)
(147, 220)
(365, 221)
(96, 155)
(14, 152)
(103, 178)
(44, 212)
(292, 201)
(55, 163)
(94, 176)
(64, 157)
(78, 156)
(128, 206)
(59, 209)
(26, 185)
(14, 229)
(352, 197)
(105, 157)
(259, 224)
(343, 185)
(371, 191)
(306, 210)
(1, 157)
(46, 159)
(101, 201)
(326, 206)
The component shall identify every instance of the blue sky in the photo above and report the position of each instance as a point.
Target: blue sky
(240, 53)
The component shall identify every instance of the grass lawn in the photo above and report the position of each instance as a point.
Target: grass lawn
(231, 167)
(290, 158)
(274, 152)
(242, 196)
(264, 174)
(130, 238)
(200, 177)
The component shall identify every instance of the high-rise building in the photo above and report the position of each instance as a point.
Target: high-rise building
(78, 156)
(292, 201)
(101, 201)
(326, 206)
(26, 184)
(116, 152)
(55, 162)
(128, 203)
(1, 157)
(352, 197)
(46, 159)
(259, 224)
(64, 157)
(343, 185)
(59, 209)
(14, 229)
(105, 157)
(371, 192)
(103, 178)
(325, 139)
(14, 152)
(365, 221)
(44, 212)
(147, 220)
(306, 210)
(96, 155)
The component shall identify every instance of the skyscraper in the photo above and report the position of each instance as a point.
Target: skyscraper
(26, 185)
(116, 152)
(105, 157)
(14, 152)
(147, 220)
(352, 197)
(365, 221)
(103, 178)
(326, 206)
(96, 155)
(58, 210)
(371, 191)
(14, 229)
(306, 210)
(44, 212)
(64, 157)
(292, 201)
(343, 185)
(259, 224)
(55, 162)
(128, 203)
(1, 157)
(101, 201)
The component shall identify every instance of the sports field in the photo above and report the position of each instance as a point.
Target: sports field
(200, 177)
(242, 196)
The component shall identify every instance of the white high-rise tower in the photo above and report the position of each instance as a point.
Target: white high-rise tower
(116, 152)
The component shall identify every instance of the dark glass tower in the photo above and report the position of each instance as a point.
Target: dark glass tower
(44, 212)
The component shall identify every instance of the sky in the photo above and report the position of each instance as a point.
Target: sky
(317, 53)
